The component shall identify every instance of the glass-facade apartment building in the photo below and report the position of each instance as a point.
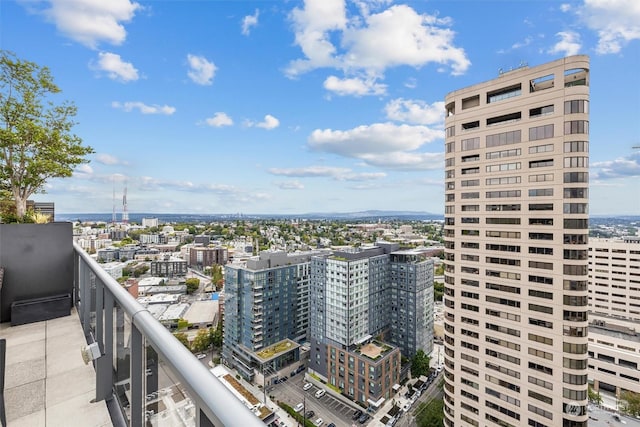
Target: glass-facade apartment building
(516, 234)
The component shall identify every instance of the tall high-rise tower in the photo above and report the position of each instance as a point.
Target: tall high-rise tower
(516, 228)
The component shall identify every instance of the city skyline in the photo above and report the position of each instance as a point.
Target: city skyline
(323, 106)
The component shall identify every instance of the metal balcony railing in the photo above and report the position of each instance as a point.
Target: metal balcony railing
(146, 375)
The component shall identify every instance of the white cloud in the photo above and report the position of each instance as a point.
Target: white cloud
(415, 111)
(201, 70)
(371, 42)
(336, 173)
(219, 120)
(115, 67)
(83, 171)
(622, 167)
(411, 83)
(568, 45)
(90, 22)
(565, 7)
(375, 138)
(143, 108)
(268, 123)
(617, 22)
(385, 145)
(312, 26)
(108, 159)
(290, 185)
(405, 161)
(249, 21)
(354, 86)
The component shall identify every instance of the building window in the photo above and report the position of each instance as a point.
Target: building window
(576, 106)
(576, 162)
(541, 111)
(541, 132)
(576, 147)
(504, 93)
(576, 126)
(471, 144)
(504, 138)
(540, 163)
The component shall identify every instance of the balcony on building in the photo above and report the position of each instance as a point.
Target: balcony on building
(140, 374)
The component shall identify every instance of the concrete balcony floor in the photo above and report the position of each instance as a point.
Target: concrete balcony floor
(46, 382)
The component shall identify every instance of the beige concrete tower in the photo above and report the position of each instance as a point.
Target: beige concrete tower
(516, 229)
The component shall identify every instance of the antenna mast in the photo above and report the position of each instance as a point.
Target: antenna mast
(125, 212)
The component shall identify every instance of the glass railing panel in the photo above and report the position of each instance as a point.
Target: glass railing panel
(167, 402)
(121, 359)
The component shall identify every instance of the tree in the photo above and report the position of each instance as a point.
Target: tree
(216, 276)
(430, 414)
(182, 337)
(630, 403)
(438, 291)
(36, 142)
(419, 364)
(201, 342)
(215, 335)
(193, 284)
(594, 396)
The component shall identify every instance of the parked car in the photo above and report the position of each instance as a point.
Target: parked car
(320, 393)
(299, 407)
(356, 414)
(201, 356)
(363, 418)
(307, 386)
(292, 373)
(318, 422)
(309, 414)
(331, 425)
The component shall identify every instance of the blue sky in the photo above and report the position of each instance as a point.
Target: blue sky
(318, 106)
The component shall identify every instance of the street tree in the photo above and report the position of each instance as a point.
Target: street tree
(193, 283)
(201, 342)
(182, 337)
(36, 138)
(630, 402)
(419, 364)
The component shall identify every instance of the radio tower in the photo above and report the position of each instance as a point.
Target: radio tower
(113, 215)
(125, 213)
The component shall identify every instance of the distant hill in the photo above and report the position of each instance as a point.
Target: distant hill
(370, 215)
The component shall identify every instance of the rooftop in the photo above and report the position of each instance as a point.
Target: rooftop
(47, 383)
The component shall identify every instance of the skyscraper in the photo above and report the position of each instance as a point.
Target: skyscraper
(516, 229)
(266, 301)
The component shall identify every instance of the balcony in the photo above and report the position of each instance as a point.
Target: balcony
(142, 376)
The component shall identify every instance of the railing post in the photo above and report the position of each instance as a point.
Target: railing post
(85, 304)
(104, 365)
(137, 377)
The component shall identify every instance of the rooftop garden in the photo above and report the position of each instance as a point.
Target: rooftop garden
(374, 349)
(275, 349)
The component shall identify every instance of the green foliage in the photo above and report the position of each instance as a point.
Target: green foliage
(438, 291)
(296, 416)
(439, 270)
(36, 139)
(430, 414)
(215, 336)
(182, 337)
(193, 283)
(594, 396)
(419, 364)
(201, 342)
(630, 403)
(182, 324)
(216, 276)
